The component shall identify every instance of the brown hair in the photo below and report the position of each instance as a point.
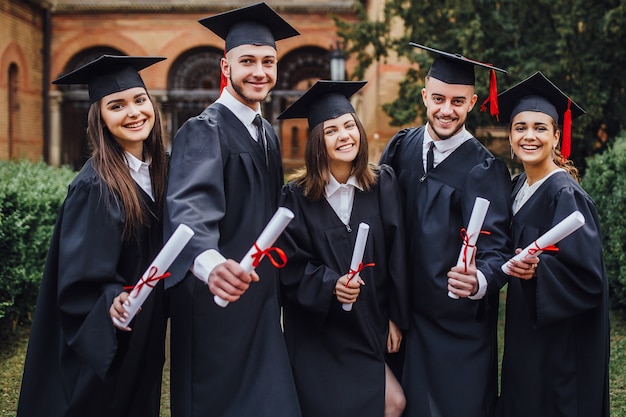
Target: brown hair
(561, 162)
(109, 162)
(315, 174)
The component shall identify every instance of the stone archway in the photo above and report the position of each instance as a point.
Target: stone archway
(193, 83)
(74, 109)
(297, 71)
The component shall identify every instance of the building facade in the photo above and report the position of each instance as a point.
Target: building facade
(48, 38)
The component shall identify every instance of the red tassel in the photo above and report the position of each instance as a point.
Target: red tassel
(566, 142)
(492, 99)
(223, 80)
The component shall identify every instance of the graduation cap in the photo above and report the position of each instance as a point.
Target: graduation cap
(537, 93)
(109, 74)
(323, 101)
(457, 69)
(257, 24)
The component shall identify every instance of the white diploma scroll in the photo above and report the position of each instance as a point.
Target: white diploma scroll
(559, 232)
(266, 239)
(155, 271)
(357, 255)
(472, 232)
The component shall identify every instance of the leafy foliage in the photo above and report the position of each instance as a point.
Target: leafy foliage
(30, 196)
(578, 44)
(606, 184)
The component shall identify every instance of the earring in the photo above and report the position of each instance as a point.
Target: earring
(512, 154)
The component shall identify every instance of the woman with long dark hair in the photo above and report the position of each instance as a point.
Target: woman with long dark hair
(338, 356)
(109, 229)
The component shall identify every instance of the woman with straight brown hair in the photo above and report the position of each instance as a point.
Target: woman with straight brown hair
(338, 356)
(108, 231)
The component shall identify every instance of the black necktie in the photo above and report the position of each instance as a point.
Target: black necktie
(258, 122)
(430, 157)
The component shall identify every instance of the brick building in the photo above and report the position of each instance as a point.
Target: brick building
(40, 40)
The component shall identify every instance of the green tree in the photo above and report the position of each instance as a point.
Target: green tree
(576, 43)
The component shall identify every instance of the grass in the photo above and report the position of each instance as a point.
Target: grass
(13, 350)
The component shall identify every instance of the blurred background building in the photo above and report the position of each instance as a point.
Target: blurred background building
(40, 40)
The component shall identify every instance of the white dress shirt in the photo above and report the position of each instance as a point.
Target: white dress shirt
(140, 172)
(241, 111)
(341, 197)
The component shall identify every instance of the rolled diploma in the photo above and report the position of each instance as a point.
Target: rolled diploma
(357, 254)
(559, 232)
(266, 239)
(474, 227)
(163, 260)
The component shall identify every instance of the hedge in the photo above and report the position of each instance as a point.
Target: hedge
(605, 181)
(30, 196)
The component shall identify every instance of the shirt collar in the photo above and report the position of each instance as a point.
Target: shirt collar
(334, 185)
(240, 110)
(451, 143)
(134, 163)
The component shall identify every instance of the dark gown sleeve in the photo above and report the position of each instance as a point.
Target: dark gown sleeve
(392, 149)
(195, 191)
(491, 180)
(89, 251)
(571, 281)
(390, 201)
(305, 280)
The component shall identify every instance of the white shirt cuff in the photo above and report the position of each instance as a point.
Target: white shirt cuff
(204, 264)
(482, 287)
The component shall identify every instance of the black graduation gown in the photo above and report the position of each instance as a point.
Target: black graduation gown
(77, 363)
(337, 356)
(556, 350)
(225, 361)
(451, 350)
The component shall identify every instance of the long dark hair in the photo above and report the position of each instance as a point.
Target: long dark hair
(315, 174)
(109, 162)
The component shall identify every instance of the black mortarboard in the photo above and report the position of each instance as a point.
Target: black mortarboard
(323, 101)
(537, 93)
(257, 24)
(109, 74)
(457, 69)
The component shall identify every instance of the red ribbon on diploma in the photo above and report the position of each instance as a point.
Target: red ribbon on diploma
(260, 253)
(466, 245)
(151, 278)
(550, 248)
(353, 274)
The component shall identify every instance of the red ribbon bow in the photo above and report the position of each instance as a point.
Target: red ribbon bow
(466, 245)
(353, 274)
(550, 248)
(256, 257)
(152, 277)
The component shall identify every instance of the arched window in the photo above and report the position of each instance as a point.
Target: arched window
(193, 84)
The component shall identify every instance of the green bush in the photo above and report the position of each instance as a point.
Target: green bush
(605, 181)
(30, 197)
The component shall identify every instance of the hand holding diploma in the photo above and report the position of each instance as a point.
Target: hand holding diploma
(155, 272)
(470, 236)
(262, 246)
(356, 265)
(559, 232)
